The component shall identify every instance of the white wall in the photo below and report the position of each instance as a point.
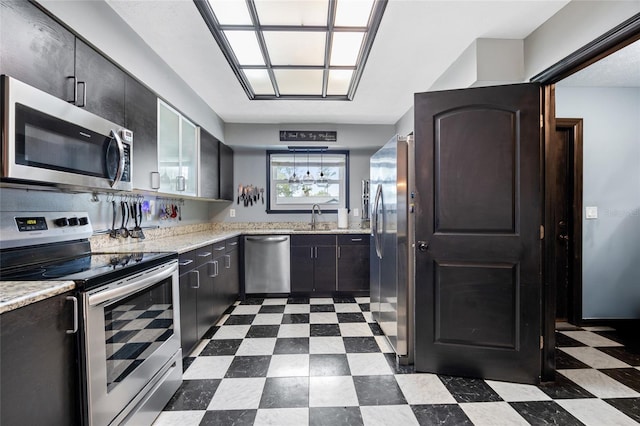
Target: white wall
(611, 243)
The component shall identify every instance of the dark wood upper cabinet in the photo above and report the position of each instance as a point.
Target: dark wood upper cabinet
(141, 117)
(35, 49)
(209, 167)
(100, 84)
(226, 172)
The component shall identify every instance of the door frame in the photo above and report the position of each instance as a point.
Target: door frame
(615, 39)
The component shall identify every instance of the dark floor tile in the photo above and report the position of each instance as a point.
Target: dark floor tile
(566, 361)
(210, 332)
(221, 347)
(318, 330)
(627, 376)
(329, 365)
(378, 390)
(397, 367)
(360, 344)
(322, 308)
(122, 336)
(271, 309)
(562, 340)
(351, 317)
(612, 335)
(295, 319)
(563, 388)
(364, 307)
(186, 362)
(335, 416)
(623, 354)
(465, 389)
(375, 329)
(298, 300)
(344, 299)
(545, 413)
(252, 301)
(285, 392)
(629, 406)
(249, 366)
(229, 310)
(239, 320)
(263, 331)
(193, 395)
(291, 345)
(441, 414)
(229, 418)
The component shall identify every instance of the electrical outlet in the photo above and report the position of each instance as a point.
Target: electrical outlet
(356, 212)
(232, 212)
(591, 212)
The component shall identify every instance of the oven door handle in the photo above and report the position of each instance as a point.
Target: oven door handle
(128, 289)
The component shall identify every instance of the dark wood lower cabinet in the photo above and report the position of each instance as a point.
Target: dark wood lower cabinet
(38, 365)
(188, 310)
(353, 263)
(302, 262)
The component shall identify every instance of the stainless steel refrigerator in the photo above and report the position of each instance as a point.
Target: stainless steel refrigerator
(392, 245)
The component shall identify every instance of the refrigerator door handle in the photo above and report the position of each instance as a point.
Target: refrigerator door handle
(377, 213)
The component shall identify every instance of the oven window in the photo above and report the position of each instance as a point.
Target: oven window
(135, 327)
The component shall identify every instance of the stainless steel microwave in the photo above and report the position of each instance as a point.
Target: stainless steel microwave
(52, 142)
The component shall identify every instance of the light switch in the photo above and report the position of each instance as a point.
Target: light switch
(591, 212)
(232, 212)
(356, 212)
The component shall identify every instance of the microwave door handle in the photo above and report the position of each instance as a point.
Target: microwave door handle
(120, 170)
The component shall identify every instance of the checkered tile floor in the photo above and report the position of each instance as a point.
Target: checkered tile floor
(324, 362)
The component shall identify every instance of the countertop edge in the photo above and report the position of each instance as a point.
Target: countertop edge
(42, 290)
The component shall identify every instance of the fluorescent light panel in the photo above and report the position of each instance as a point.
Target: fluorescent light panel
(295, 49)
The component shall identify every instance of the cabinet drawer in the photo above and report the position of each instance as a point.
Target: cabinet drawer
(313, 240)
(232, 244)
(204, 255)
(219, 249)
(187, 261)
(353, 239)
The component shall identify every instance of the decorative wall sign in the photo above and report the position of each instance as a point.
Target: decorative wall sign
(308, 136)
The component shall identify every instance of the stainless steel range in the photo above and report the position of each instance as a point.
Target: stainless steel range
(128, 312)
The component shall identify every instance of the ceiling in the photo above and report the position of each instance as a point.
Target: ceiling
(416, 42)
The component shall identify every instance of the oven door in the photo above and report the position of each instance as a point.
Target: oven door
(131, 336)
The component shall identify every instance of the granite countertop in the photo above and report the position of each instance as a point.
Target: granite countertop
(15, 294)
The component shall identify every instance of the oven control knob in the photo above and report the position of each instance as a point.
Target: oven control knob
(73, 221)
(84, 221)
(63, 221)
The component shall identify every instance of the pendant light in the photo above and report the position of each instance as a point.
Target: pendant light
(307, 179)
(322, 181)
(294, 180)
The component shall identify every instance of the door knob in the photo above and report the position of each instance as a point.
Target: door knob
(423, 245)
(563, 237)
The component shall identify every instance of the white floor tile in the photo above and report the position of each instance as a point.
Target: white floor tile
(179, 418)
(323, 318)
(384, 345)
(599, 328)
(515, 392)
(326, 345)
(594, 358)
(208, 367)
(386, 415)
(599, 383)
(289, 366)
(258, 346)
(294, 330)
(362, 300)
(267, 319)
(370, 364)
(246, 310)
(282, 417)
(347, 307)
(424, 389)
(238, 394)
(321, 301)
(492, 414)
(595, 412)
(231, 332)
(332, 392)
(355, 329)
(274, 301)
(591, 339)
(367, 316)
(297, 309)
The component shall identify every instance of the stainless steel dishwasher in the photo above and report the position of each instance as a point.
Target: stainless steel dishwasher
(266, 265)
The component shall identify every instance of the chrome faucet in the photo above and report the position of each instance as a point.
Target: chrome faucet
(313, 215)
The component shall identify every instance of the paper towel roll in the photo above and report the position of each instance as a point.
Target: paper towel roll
(343, 218)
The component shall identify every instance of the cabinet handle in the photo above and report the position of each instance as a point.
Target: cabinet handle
(355, 240)
(205, 254)
(216, 263)
(218, 248)
(338, 252)
(155, 180)
(75, 315)
(197, 278)
(180, 183)
(235, 243)
(227, 261)
(84, 94)
(311, 252)
(75, 89)
(316, 252)
(186, 262)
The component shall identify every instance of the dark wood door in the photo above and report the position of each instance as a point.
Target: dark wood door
(188, 311)
(209, 167)
(103, 90)
(325, 267)
(302, 268)
(39, 366)
(226, 172)
(353, 266)
(35, 49)
(478, 218)
(141, 117)
(206, 298)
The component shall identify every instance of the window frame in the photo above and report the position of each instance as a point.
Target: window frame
(303, 152)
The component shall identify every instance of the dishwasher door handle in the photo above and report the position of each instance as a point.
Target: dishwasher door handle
(268, 239)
